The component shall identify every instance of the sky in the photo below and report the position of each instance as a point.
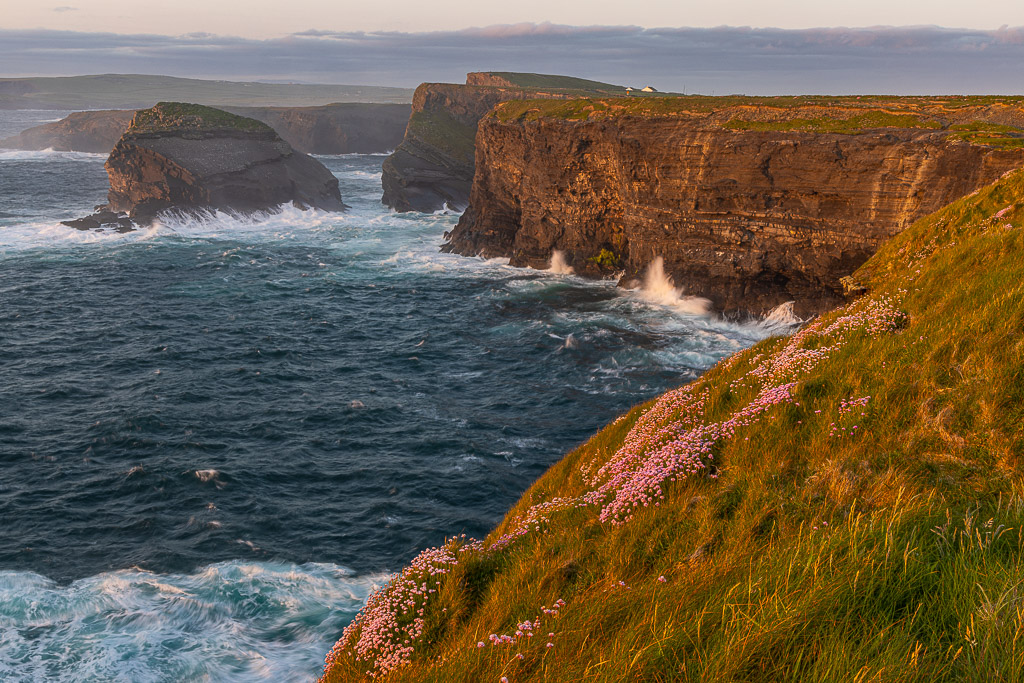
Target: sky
(275, 19)
(740, 46)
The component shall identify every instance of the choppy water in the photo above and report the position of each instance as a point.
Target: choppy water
(216, 435)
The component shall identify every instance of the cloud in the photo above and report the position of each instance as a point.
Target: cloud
(65, 8)
(725, 59)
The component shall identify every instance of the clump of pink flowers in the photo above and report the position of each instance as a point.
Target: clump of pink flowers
(384, 631)
(671, 441)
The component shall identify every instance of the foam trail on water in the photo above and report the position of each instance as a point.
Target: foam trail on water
(49, 154)
(231, 621)
(558, 264)
(659, 288)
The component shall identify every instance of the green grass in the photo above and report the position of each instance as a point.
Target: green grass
(992, 134)
(174, 116)
(531, 81)
(442, 131)
(893, 552)
(844, 115)
(852, 125)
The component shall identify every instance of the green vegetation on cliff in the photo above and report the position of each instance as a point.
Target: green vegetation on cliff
(554, 82)
(845, 504)
(442, 131)
(988, 120)
(181, 116)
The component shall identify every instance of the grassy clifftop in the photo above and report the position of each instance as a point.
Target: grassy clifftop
(841, 505)
(182, 116)
(990, 120)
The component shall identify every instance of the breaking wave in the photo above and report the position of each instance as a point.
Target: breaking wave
(231, 621)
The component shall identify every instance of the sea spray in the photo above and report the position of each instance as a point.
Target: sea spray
(659, 288)
(559, 266)
(781, 319)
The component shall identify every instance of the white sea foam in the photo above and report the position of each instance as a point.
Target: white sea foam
(231, 621)
(558, 264)
(659, 288)
(781, 319)
(49, 155)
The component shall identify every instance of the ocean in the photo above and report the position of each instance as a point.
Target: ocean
(217, 435)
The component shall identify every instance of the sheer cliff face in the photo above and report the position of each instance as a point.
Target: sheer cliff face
(749, 219)
(433, 165)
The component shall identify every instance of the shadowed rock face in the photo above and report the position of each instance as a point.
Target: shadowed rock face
(434, 164)
(749, 219)
(191, 158)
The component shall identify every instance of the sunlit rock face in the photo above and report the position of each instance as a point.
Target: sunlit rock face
(748, 218)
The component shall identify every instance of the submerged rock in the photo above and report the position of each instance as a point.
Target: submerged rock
(192, 158)
(102, 220)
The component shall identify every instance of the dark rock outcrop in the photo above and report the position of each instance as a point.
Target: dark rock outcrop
(331, 129)
(191, 158)
(749, 218)
(434, 164)
(82, 131)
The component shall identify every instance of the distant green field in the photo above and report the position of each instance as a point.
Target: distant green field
(134, 91)
(550, 81)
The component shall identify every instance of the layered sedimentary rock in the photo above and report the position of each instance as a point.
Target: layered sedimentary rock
(330, 129)
(748, 207)
(433, 166)
(191, 158)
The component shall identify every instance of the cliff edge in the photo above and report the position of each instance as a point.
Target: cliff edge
(750, 202)
(192, 158)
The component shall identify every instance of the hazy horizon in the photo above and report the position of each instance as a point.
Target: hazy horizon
(721, 60)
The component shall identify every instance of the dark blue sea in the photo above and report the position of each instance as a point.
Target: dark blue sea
(216, 436)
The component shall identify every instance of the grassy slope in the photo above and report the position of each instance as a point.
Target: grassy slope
(889, 552)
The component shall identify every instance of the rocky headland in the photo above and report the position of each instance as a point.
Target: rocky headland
(751, 202)
(345, 128)
(191, 158)
(434, 164)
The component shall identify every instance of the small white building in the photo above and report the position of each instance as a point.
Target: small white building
(648, 89)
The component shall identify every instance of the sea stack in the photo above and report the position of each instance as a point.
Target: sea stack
(192, 158)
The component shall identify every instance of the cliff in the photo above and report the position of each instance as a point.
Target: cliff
(81, 131)
(330, 129)
(434, 164)
(189, 158)
(750, 203)
(845, 504)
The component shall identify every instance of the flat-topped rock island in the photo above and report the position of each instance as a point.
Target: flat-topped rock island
(178, 157)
